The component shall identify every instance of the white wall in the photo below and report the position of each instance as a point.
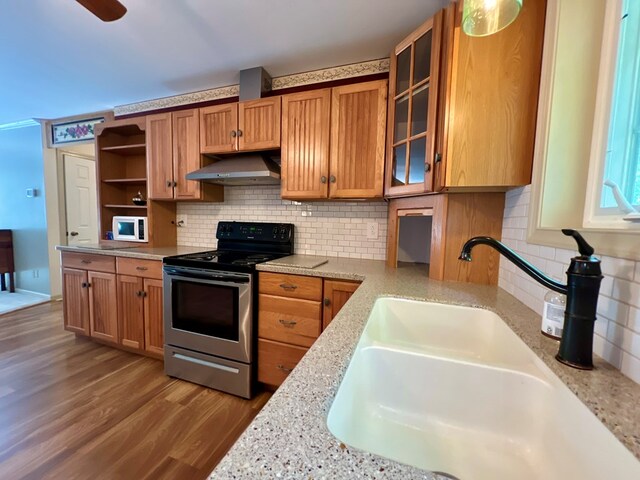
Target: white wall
(332, 229)
(617, 337)
(21, 168)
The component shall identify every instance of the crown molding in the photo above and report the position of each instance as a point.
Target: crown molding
(279, 83)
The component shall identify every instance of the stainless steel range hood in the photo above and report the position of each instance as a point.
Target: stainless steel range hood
(241, 169)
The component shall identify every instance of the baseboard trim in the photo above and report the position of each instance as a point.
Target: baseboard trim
(43, 295)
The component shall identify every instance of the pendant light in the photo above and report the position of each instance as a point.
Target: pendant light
(486, 17)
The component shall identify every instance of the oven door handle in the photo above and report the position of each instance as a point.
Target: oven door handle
(185, 274)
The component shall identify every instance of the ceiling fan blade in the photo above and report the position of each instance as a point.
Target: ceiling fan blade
(105, 10)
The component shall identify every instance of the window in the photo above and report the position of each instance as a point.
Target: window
(623, 148)
(613, 199)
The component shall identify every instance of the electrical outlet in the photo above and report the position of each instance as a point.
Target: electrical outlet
(306, 213)
(372, 230)
(36, 274)
(181, 220)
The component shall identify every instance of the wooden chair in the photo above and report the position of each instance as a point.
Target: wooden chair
(6, 260)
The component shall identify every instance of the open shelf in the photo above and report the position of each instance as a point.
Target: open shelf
(111, 205)
(131, 181)
(133, 149)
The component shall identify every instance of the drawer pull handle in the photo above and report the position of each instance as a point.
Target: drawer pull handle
(142, 269)
(285, 369)
(287, 323)
(86, 262)
(288, 286)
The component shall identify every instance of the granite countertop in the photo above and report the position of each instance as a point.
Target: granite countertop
(289, 437)
(145, 253)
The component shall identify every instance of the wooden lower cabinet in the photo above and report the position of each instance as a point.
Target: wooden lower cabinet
(277, 360)
(291, 316)
(153, 323)
(103, 310)
(131, 311)
(76, 300)
(121, 305)
(336, 294)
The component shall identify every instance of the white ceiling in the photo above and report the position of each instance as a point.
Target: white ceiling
(57, 59)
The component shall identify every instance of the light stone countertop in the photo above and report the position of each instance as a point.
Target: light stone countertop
(289, 437)
(144, 253)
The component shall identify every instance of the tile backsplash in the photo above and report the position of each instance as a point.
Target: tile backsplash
(337, 229)
(617, 337)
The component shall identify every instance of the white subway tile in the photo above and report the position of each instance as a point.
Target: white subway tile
(631, 367)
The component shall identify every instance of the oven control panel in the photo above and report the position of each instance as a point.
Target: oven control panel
(265, 232)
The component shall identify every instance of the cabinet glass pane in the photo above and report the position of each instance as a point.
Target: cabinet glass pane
(422, 61)
(401, 119)
(419, 110)
(399, 164)
(417, 153)
(403, 69)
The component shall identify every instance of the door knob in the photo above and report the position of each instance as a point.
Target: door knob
(74, 234)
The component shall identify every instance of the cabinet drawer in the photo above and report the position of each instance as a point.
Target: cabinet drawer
(276, 360)
(84, 261)
(139, 268)
(289, 320)
(293, 286)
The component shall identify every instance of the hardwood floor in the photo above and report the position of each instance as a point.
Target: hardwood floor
(74, 409)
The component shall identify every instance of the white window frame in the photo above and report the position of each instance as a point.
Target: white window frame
(564, 132)
(596, 217)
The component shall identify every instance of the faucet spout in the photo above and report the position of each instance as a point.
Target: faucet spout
(521, 263)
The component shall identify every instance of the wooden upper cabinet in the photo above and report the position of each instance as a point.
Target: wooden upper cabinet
(159, 156)
(186, 153)
(413, 106)
(259, 124)
(306, 126)
(103, 306)
(75, 294)
(244, 126)
(218, 128)
(173, 151)
(358, 127)
(493, 87)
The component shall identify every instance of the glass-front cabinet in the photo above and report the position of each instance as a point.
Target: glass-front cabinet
(413, 104)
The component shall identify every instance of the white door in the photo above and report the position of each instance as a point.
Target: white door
(81, 199)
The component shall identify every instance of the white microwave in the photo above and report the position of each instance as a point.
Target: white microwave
(130, 229)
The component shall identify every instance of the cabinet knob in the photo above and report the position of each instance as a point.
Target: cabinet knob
(85, 285)
(174, 184)
(239, 133)
(168, 183)
(427, 167)
(438, 157)
(327, 302)
(74, 234)
(323, 179)
(233, 134)
(332, 179)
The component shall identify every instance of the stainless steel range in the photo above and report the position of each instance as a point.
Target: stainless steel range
(210, 306)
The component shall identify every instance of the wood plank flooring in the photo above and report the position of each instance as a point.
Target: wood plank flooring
(74, 409)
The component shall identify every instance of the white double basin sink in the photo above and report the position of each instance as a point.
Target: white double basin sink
(454, 390)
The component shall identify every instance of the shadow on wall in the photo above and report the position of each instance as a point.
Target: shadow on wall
(21, 168)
